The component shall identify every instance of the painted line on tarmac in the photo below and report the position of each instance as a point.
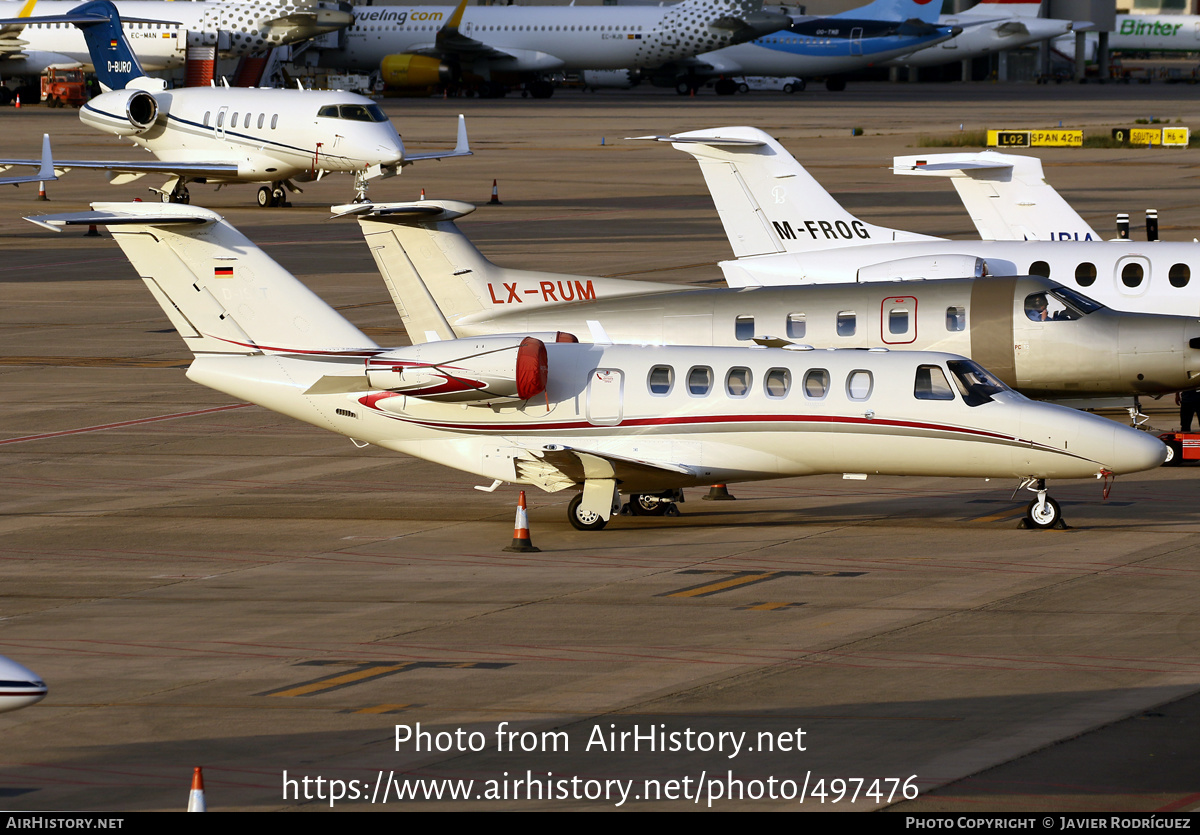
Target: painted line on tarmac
(122, 423)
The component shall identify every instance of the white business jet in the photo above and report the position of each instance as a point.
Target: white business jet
(786, 229)
(1006, 195)
(988, 27)
(19, 686)
(161, 30)
(547, 411)
(421, 46)
(1045, 340)
(221, 135)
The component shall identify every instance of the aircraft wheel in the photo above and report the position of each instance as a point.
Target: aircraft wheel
(166, 197)
(6, 97)
(1174, 454)
(1047, 517)
(725, 87)
(278, 197)
(645, 505)
(583, 520)
(264, 196)
(185, 196)
(541, 89)
(835, 84)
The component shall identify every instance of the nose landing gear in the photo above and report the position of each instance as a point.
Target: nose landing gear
(1043, 512)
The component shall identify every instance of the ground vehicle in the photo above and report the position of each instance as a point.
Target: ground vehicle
(1183, 446)
(63, 87)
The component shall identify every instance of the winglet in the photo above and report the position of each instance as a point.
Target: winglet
(46, 172)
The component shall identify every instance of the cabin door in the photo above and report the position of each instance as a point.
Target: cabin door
(605, 397)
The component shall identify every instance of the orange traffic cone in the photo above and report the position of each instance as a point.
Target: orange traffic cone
(196, 796)
(521, 540)
(92, 231)
(495, 201)
(719, 493)
(42, 192)
(422, 197)
(18, 104)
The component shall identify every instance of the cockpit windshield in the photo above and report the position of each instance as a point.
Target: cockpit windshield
(353, 112)
(1058, 304)
(974, 383)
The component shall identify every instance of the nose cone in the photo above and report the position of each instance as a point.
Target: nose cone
(19, 686)
(1135, 450)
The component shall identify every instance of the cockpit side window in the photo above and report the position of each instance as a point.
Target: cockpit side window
(974, 383)
(1049, 307)
(353, 112)
(931, 384)
(329, 111)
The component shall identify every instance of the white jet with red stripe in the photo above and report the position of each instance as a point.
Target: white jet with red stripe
(599, 418)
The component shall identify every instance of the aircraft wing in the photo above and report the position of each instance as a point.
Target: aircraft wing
(560, 467)
(191, 169)
(45, 172)
(462, 147)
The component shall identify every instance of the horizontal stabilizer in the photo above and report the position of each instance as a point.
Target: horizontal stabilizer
(703, 139)
(120, 218)
(423, 211)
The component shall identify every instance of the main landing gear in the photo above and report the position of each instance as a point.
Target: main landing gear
(1043, 512)
(272, 196)
(639, 504)
(179, 194)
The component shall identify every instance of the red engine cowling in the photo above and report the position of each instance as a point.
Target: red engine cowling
(477, 371)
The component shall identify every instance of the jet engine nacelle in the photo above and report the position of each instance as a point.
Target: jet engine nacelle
(833, 267)
(123, 112)
(476, 371)
(611, 79)
(412, 71)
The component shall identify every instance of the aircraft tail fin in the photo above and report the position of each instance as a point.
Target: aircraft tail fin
(922, 10)
(431, 269)
(443, 286)
(111, 54)
(1006, 195)
(222, 293)
(766, 200)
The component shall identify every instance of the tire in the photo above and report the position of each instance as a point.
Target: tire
(165, 197)
(581, 521)
(799, 84)
(835, 84)
(789, 89)
(683, 88)
(725, 87)
(1174, 454)
(264, 196)
(1051, 514)
(278, 198)
(642, 504)
(743, 87)
(185, 197)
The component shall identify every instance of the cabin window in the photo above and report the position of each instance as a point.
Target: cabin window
(778, 383)
(1040, 268)
(738, 381)
(743, 328)
(1085, 274)
(246, 123)
(662, 378)
(1132, 275)
(1180, 275)
(956, 319)
(859, 385)
(233, 120)
(898, 321)
(797, 324)
(207, 115)
(261, 118)
(847, 322)
(931, 384)
(220, 118)
(700, 381)
(274, 121)
(816, 383)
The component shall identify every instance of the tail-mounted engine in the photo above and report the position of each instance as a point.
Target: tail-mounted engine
(123, 112)
(480, 371)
